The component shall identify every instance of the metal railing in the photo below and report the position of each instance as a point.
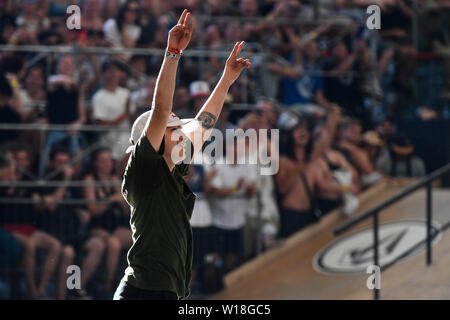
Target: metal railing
(375, 211)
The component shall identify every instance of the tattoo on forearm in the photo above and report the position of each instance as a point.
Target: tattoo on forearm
(207, 119)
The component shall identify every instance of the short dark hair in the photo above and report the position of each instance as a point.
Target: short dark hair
(97, 152)
(4, 162)
(350, 122)
(58, 149)
(18, 146)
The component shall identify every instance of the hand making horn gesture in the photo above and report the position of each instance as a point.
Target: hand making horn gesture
(235, 65)
(180, 34)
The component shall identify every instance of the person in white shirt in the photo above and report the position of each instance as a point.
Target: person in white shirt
(232, 185)
(111, 108)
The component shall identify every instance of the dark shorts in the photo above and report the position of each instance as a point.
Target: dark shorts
(228, 241)
(327, 205)
(110, 220)
(292, 221)
(203, 242)
(10, 250)
(126, 291)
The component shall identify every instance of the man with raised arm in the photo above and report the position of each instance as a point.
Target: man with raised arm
(161, 202)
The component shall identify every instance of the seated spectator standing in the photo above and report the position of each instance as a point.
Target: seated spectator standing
(345, 86)
(10, 248)
(397, 21)
(11, 108)
(23, 160)
(16, 219)
(401, 161)
(32, 19)
(66, 222)
(349, 146)
(59, 220)
(34, 95)
(124, 31)
(109, 222)
(65, 105)
(303, 85)
(33, 91)
(373, 145)
(111, 108)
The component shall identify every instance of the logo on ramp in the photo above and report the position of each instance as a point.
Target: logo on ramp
(398, 241)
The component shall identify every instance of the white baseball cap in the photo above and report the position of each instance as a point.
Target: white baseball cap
(199, 89)
(140, 123)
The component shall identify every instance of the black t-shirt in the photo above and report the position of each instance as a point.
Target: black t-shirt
(345, 89)
(16, 213)
(161, 207)
(395, 19)
(62, 222)
(62, 106)
(8, 115)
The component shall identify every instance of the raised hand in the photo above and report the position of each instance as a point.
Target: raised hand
(235, 65)
(180, 34)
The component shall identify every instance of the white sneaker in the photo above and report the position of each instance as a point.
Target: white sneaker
(351, 204)
(368, 179)
(343, 177)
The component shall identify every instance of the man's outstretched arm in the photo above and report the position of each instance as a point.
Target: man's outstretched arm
(208, 114)
(179, 37)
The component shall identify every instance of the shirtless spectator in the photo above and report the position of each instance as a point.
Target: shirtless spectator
(299, 180)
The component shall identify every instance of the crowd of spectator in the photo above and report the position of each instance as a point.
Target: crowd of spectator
(336, 105)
